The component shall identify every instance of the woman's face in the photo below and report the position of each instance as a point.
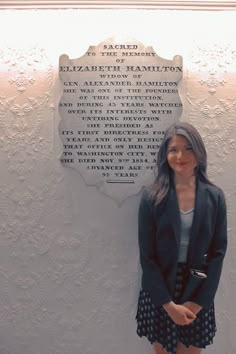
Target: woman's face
(180, 156)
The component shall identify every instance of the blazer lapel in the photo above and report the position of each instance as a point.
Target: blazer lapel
(173, 213)
(199, 214)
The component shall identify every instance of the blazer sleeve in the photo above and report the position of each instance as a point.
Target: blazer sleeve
(206, 293)
(152, 279)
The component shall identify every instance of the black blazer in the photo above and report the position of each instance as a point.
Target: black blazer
(159, 239)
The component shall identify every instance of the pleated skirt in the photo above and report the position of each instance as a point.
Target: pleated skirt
(155, 324)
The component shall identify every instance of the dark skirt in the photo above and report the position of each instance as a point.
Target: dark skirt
(155, 324)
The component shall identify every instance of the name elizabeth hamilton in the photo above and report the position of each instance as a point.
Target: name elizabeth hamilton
(117, 68)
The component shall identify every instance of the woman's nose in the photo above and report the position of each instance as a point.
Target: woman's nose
(179, 154)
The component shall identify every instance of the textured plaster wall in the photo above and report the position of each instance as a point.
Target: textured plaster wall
(69, 268)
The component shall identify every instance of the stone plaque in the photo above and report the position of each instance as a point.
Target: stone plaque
(117, 101)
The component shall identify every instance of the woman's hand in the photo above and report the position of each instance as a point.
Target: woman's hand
(192, 306)
(180, 314)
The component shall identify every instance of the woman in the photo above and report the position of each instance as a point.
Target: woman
(182, 242)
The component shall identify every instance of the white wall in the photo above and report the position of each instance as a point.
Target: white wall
(69, 268)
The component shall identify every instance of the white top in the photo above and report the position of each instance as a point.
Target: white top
(186, 218)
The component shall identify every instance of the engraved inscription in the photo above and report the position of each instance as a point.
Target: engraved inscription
(117, 101)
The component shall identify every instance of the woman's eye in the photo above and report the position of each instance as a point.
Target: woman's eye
(172, 149)
(189, 148)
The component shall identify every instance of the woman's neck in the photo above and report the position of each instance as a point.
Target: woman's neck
(187, 181)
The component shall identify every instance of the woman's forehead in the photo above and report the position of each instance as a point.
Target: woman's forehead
(178, 140)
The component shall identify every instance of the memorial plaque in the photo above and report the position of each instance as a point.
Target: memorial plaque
(117, 101)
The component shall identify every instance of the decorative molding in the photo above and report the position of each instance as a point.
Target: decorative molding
(120, 4)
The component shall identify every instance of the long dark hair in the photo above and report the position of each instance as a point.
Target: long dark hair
(164, 177)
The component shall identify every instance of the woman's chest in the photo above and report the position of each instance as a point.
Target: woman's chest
(185, 198)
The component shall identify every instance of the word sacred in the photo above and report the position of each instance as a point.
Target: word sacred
(117, 68)
(120, 46)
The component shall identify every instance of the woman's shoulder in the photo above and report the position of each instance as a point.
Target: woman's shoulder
(213, 188)
(215, 191)
(148, 198)
(147, 193)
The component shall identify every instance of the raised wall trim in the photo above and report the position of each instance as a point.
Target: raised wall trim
(120, 4)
